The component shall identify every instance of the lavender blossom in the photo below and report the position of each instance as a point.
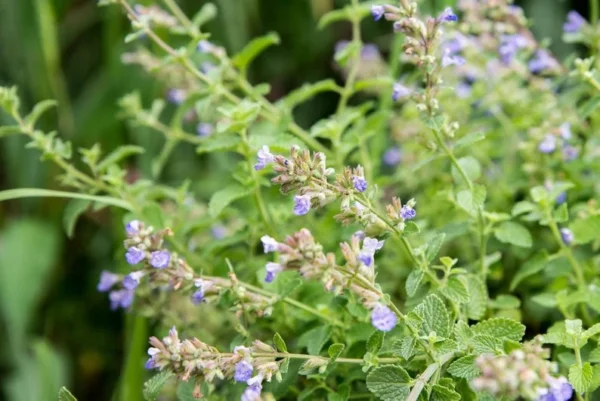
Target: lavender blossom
(449, 59)
(243, 371)
(176, 96)
(160, 259)
(272, 270)
(565, 131)
(400, 91)
(559, 390)
(570, 153)
(198, 297)
(218, 231)
(370, 52)
(548, 144)
(561, 198)
(204, 46)
(204, 129)
(149, 364)
(134, 255)
(107, 281)
(574, 22)
(372, 244)
(252, 392)
(383, 318)
(541, 61)
(366, 257)
(377, 12)
(269, 244)
(392, 157)
(447, 16)
(456, 44)
(133, 228)
(264, 157)
(567, 236)
(407, 212)
(132, 280)
(121, 298)
(359, 234)
(302, 205)
(509, 46)
(360, 184)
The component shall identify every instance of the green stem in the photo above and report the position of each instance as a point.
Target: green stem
(426, 375)
(180, 15)
(304, 356)
(594, 11)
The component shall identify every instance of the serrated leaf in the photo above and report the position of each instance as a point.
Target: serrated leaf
(38, 110)
(72, 211)
(486, 344)
(185, 391)
(307, 91)
(375, 342)
(390, 383)
(592, 331)
(586, 230)
(411, 228)
(253, 49)
(589, 106)
(462, 332)
(335, 350)
(314, 339)
(469, 139)
(464, 367)
(224, 197)
(117, 155)
(573, 326)
(561, 213)
(533, 266)
(435, 316)
(501, 328)
(279, 343)
(154, 385)
(581, 377)
(470, 166)
(219, 143)
(456, 290)
(405, 347)
(433, 247)
(510, 232)
(413, 281)
(65, 395)
(478, 297)
(442, 393)
(505, 302)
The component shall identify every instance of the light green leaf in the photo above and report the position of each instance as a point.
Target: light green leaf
(222, 198)
(586, 230)
(38, 110)
(469, 139)
(435, 316)
(72, 211)
(505, 302)
(117, 155)
(154, 385)
(486, 344)
(478, 297)
(335, 350)
(185, 391)
(253, 49)
(65, 395)
(48, 193)
(405, 347)
(545, 299)
(413, 281)
(433, 247)
(456, 290)
(375, 342)
(279, 343)
(205, 14)
(219, 143)
(464, 367)
(470, 166)
(581, 377)
(443, 393)
(592, 331)
(390, 383)
(333, 16)
(561, 213)
(501, 328)
(589, 106)
(308, 91)
(533, 266)
(411, 228)
(152, 215)
(510, 232)
(314, 339)
(523, 207)
(574, 326)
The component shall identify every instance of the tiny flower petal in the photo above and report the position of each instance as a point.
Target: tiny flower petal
(160, 259)
(107, 281)
(272, 270)
(204, 129)
(392, 157)
(565, 131)
(400, 91)
(198, 297)
(574, 22)
(302, 205)
(359, 183)
(132, 280)
(269, 244)
(407, 212)
(548, 144)
(176, 96)
(153, 351)
(204, 46)
(567, 236)
(133, 227)
(447, 16)
(121, 298)
(372, 244)
(149, 364)
(243, 371)
(366, 257)
(377, 12)
(134, 255)
(264, 157)
(383, 318)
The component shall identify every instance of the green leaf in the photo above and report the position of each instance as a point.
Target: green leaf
(581, 377)
(561, 214)
(433, 247)
(38, 110)
(65, 395)
(464, 367)
(307, 91)
(586, 230)
(219, 143)
(314, 339)
(574, 326)
(375, 342)
(411, 228)
(335, 350)
(253, 49)
(48, 193)
(279, 343)
(478, 297)
(589, 106)
(405, 347)
(333, 16)
(442, 393)
(486, 344)
(153, 387)
(533, 266)
(505, 302)
(390, 383)
(510, 232)
(222, 198)
(9, 130)
(523, 207)
(205, 14)
(456, 290)
(152, 215)
(117, 155)
(592, 331)
(435, 316)
(470, 166)
(469, 139)
(413, 281)
(72, 211)
(185, 391)
(502, 328)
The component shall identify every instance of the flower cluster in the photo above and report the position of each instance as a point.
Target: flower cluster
(523, 373)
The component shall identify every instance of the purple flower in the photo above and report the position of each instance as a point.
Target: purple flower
(149, 364)
(448, 59)
(565, 131)
(204, 129)
(359, 234)
(132, 280)
(574, 22)
(400, 91)
(366, 257)
(160, 259)
(509, 45)
(447, 16)
(218, 231)
(269, 244)
(382, 318)
(541, 61)
(377, 12)
(272, 270)
(548, 144)
(570, 153)
(204, 46)
(372, 244)
(407, 212)
(252, 392)
(107, 280)
(369, 52)
(302, 205)
(120, 298)
(243, 371)
(567, 236)
(176, 96)
(561, 198)
(559, 390)
(456, 44)
(392, 156)
(207, 67)
(264, 157)
(360, 184)
(134, 255)
(133, 228)
(463, 90)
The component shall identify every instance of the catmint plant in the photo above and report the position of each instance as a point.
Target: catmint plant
(435, 238)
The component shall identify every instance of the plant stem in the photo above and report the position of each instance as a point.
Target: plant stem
(180, 15)
(323, 358)
(594, 11)
(426, 375)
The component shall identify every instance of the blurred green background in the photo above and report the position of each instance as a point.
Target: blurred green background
(55, 328)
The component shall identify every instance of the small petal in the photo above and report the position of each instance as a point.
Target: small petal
(377, 12)
(400, 91)
(574, 22)
(407, 212)
(366, 257)
(134, 255)
(107, 281)
(204, 129)
(383, 318)
(567, 236)
(447, 16)
(198, 297)
(302, 205)
(272, 270)
(160, 259)
(264, 157)
(269, 244)
(132, 280)
(359, 183)
(548, 144)
(392, 157)
(133, 227)
(243, 371)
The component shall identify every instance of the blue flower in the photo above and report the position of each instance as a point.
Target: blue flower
(570, 153)
(548, 144)
(574, 22)
(447, 16)
(149, 364)
(383, 318)
(567, 236)
(264, 157)
(392, 157)
(204, 129)
(218, 231)
(509, 45)
(134, 255)
(198, 297)
(269, 244)
(366, 257)
(252, 392)
(132, 280)
(176, 96)
(360, 184)
(160, 259)
(449, 59)
(541, 61)
(302, 205)
(560, 390)
(407, 212)
(372, 244)
(133, 228)
(561, 198)
(204, 46)
(377, 12)
(121, 298)
(272, 270)
(400, 91)
(243, 371)
(107, 281)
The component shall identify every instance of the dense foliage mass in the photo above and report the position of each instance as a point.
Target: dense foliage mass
(435, 238)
